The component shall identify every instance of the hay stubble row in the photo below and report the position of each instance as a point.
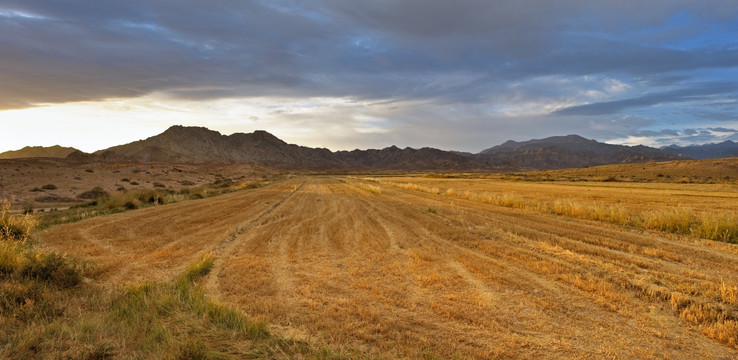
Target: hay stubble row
(382, 274)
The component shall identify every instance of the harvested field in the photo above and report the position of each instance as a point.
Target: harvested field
(401, 272)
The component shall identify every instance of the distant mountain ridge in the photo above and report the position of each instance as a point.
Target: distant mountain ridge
(558, 152)
(724, 149)
(181, 144)
(55, 151)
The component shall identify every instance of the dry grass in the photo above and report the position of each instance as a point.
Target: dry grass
(496, 270)
(47, 312)
(13, 226)
(620, 208)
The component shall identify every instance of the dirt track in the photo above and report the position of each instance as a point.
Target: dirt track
(407, 274)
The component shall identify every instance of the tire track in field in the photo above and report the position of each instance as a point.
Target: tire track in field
(223, 250)
(544, 228)
(156, 243)
(381, 274)
(416, 281)
(656, 283)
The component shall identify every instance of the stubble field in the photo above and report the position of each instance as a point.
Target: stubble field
(412, 267)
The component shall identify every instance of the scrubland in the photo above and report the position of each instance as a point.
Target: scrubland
(418, 267)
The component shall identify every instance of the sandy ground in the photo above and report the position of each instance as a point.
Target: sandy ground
(405, 274)
(24, 179)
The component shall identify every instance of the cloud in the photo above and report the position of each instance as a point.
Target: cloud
(466, 73)
(696, 93)
(77, 51)
(685, 137)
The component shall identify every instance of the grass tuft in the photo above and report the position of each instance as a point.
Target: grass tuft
(15, 227)
(200, 268)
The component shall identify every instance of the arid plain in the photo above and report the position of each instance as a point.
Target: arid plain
(413, 267)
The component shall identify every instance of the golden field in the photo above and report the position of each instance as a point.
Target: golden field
(421, 267)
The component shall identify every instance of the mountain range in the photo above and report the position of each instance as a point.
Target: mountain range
(569, 151)
(180, 144)
(724, 149)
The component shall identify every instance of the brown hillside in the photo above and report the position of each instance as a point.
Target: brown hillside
(685, 171)
(55, 151)
(180, 144)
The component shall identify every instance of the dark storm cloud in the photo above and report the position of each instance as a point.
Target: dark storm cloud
(466, 60)
(76, 50)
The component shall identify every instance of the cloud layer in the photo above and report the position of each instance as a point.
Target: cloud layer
(454, 74)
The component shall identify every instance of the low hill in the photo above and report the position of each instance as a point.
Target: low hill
(680, 171)
(570, 151)
(55, 151)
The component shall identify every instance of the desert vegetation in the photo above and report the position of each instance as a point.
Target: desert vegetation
(100, 202)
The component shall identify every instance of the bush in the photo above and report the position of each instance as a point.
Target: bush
(14, 227)
(51, 268)
(10, 258)
(94, 193)
(49, 187)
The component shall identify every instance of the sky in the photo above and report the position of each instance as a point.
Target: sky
(456, 75)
